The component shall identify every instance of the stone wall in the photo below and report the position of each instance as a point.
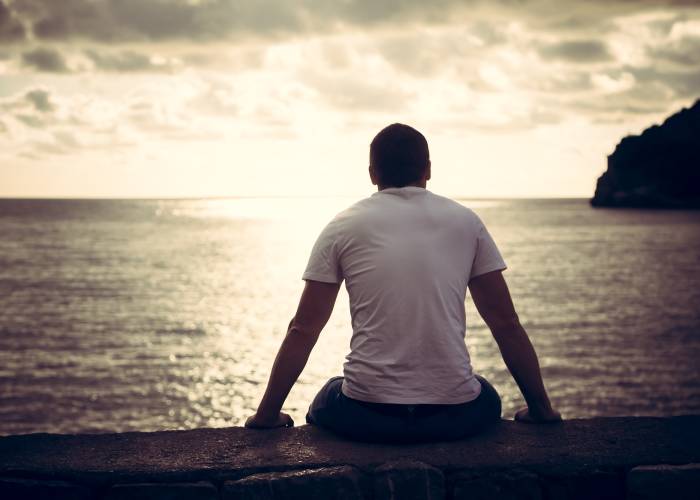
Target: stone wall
(606, 458)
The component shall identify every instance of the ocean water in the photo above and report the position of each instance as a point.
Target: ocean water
(167, 314)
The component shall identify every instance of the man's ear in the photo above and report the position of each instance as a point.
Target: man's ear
(372, 176)
(427, 172)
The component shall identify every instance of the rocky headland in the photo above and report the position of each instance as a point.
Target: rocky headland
(660, 168)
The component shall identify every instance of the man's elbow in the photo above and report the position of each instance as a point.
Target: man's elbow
(504, 324)
(301, 331)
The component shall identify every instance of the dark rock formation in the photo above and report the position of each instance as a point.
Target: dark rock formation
(658, 169)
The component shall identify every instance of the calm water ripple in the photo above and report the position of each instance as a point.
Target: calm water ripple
(148, 315)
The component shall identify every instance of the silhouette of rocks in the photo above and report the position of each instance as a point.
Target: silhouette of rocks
(658, 169)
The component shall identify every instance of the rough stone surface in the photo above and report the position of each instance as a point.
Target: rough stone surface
(201, 490)
(341, 483)
(559, 450)
(680, 482)
(509, 485)
(22, 489)
(597, 484)
(408, 480)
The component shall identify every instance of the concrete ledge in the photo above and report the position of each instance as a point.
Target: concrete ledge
(592, 458)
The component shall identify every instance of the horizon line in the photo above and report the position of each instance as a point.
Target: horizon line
(236, 197)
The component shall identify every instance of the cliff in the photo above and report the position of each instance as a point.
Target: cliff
(602, 458)
(658, 169)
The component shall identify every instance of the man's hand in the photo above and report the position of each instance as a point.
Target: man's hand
(492, 300)
(315, 307)
(525, 415)
(258, 422)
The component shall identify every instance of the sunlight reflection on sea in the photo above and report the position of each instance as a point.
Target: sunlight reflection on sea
(155, 314)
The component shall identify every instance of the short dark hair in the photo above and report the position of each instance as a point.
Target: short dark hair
(399, 155)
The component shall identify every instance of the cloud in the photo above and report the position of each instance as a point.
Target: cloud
(32, 108)
(139, 20)
(51, 60)
(45, 59)
(38, 122)
(11, 29)
(129, 61)
(121, 20)
(358, 93)
(41, 99)
(683, 52)
(428, 56)
(678, 84)
(526, 61)
(577, 51)
(124, 61)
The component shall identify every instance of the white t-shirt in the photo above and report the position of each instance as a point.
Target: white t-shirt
(406, 255)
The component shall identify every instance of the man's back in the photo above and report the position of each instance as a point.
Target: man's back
(407, 256)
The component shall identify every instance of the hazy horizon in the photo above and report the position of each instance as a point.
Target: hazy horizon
(282, 196)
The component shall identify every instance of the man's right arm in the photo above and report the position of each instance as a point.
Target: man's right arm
(492, 299)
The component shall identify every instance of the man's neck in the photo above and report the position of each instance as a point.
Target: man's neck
(421, 184)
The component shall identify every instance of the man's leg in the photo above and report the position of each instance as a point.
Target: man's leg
(374, 422)
(356, 420)
(325, 403)
(463, 420)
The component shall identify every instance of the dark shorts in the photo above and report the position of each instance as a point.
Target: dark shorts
(399, 423)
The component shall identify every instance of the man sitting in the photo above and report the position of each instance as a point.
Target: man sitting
(407, 257)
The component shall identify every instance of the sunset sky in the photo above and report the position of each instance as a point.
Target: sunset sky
(190, 98)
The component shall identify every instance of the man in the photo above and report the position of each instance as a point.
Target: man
(407, 257)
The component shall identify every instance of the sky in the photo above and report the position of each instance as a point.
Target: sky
(199, 98)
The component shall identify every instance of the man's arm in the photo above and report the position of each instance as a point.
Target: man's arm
(315, 307)
(492, 299)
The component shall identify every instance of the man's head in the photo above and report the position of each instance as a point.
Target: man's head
(398, 156)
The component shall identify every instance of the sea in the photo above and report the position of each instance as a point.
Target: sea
(144, 315)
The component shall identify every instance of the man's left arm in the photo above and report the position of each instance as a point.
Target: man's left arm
(315, 307)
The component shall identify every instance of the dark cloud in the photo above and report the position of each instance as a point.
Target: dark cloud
(126, 61)
(620, 107)
(564, 82)
(45, 59)
(122, 20)
(51, 60)
(31, 120)
(134, 20)
(679, 84)
(579, 51)
(11, 29)
(654, 91)
(683, 52)
(139, 20)
(422, 56)
(34, 108)
(41, 99)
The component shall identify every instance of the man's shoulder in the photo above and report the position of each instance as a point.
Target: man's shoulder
(352, 211)
(453, 206)
(371, 208)
(347, 217)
